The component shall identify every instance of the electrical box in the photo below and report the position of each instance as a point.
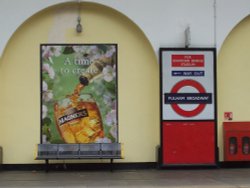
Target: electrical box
(236, 141)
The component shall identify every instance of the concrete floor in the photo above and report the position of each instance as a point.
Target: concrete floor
(212, 178)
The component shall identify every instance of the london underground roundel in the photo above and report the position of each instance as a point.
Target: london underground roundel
(177, 108)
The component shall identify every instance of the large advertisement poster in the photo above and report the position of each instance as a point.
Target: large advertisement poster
(79, 93)
(188, 85)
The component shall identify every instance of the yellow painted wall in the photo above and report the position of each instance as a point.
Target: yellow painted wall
(234, 77)
(138, 81)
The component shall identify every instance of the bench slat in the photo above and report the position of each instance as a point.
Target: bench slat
(80, 151)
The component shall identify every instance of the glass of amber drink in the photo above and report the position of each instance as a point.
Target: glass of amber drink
(78, 119)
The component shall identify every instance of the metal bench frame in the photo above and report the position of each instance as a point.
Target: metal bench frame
(79, 151)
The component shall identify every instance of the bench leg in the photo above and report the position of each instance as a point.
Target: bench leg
(46, 165)
(111, 165)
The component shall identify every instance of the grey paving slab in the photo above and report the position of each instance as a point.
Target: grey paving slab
(215, 178)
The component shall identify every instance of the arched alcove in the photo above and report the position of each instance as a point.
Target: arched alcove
(138, 85)
(234, 77)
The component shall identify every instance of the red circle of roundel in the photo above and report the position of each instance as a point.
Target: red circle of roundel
(197, 86)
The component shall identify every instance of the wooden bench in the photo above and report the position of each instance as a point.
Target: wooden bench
(79, 151)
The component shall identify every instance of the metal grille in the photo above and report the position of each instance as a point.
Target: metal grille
(111, 150)
(68, 150)
(90, 150)
(47, 150)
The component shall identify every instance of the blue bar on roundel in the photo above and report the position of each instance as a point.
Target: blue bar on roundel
(188, 98)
